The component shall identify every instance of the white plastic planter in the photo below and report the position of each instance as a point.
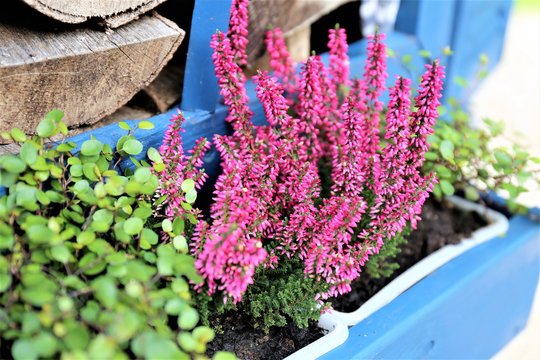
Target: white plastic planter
(498, 225)
(338, 332)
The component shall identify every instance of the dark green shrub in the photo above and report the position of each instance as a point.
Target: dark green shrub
(83, 272)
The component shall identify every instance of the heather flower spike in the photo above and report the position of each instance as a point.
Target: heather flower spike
(280, 61)
(238, 30)
(179, 167)
(339, 60)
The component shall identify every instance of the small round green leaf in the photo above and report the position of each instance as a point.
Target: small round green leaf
(46, 128)
(132, 147)
(154, 155)
(146, 125)
(188, 185)
(191, 196)
(133, 226)
(18, 135)
(91, 147)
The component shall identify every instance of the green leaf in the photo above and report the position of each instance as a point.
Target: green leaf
(18, 135)
(91, 147)
(154, 155)
(180, 244)
(166, 225)
(124, 125)
(222, 355)
(146, 125)
(191, 196)
(188, 185)
(132, 147)
(46, 128)
(447, 150)
(471, 193)
(447, 188)
(503, 158)
(142, 175)
(45, 344)
(133, 226)
(159, 167)
(425, 54)
(60, 253)
(106, 291)
(12, 164)
(188, 318)
(55, 115)
(23, 349)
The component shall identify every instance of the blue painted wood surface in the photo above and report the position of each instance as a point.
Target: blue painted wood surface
(201, 90)
(468, 309)
(479, 28)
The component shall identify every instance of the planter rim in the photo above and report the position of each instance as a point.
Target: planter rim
(498, 225)
(338, 332)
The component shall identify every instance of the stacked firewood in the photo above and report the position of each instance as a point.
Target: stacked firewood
(90, 58)
(86, 57)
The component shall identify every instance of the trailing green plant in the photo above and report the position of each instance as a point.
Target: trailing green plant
(83, 273)
(466, 159)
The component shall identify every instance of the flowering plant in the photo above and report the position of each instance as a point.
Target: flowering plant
(318, 190)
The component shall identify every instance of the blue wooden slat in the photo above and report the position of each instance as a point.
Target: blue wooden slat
(480, 28)
(200, 85)
(432, 22)
(469, 308)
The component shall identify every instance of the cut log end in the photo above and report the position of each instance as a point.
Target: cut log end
(113, 13)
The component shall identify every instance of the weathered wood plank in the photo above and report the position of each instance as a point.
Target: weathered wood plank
(86, 73)
(289, 15)
(166, 89)
(113, 13)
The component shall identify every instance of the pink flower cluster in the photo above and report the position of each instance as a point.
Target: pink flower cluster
(272, 201)
(238, 30)
(179, 167)
(280, 60)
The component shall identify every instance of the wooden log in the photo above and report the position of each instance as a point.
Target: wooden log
(86, 73)
(113, 13)
(166, 89)
(289, 15)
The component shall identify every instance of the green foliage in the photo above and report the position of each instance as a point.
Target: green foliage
(82, 273)
(276, 298)
(383, 264)
(466, 158)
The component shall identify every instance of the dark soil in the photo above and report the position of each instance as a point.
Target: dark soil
(249, 343)
(441, 225)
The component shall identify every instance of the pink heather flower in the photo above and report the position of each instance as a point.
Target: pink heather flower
(311, 108)
(178, 168)
(238, 30)
(267, 200)
(374, 85)
(280, 61)
(351, 160)
(339, 60)
(426, 102)
(231, 80)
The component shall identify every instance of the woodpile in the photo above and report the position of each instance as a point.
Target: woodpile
(112, 13)
(87, 71)
(294, 17)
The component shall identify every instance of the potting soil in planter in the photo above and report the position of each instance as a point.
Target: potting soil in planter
(441, 224)
(246, 342)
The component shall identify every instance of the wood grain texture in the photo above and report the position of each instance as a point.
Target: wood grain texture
(289, 15)
(86, 73)
(166, 89)
(113, 13)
